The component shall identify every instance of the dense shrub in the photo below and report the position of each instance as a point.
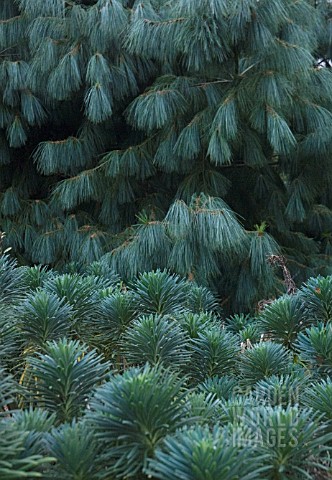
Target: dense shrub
(100, 379)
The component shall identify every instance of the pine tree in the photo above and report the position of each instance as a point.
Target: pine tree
(193, 136)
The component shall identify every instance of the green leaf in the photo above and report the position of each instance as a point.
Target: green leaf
(316, 294)
(98, 103)
(225, 120)
(10, 204)
(132, 414)
(44, 317)
(315, 348)
(65, 377)
(293, 440)
(15, 461)
(284, 319)
(156, 339)
(201, 453)
(219, 150)
(32, 109)
(155, 109)
(159, 292)
(75, 448)
(16, 133)
(279, 134)
(214, 352)
(319, 397)
(262, 361)
(66, 77)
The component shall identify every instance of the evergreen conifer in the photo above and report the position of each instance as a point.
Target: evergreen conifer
(179, 134)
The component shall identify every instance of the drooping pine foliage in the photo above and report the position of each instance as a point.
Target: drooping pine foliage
(112, 383)
(188, 135)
